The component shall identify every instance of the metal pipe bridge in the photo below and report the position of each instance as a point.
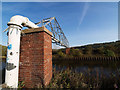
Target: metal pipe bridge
(58, 36)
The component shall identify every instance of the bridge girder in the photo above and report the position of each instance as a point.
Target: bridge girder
(58, 35)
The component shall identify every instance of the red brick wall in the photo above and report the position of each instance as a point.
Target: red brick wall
(67, 51)
(35, 59)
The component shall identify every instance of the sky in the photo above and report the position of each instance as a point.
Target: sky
(82, 22)
(60, 0)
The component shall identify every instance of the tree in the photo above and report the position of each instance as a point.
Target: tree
(75, 52)
(88, 50)
(99, 50)
(109, 53)
(60, 54)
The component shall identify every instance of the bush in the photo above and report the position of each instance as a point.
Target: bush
(75, 52)
(61, 54)
(88, 50)
(109, 53)
(21, 84)
(99, 50)
(3, 50)
(67, 79)
(71, 79)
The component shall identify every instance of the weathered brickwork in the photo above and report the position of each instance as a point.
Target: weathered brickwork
(35, 59)
(67, 51)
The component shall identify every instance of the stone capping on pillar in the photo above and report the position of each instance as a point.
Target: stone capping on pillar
(33, 30)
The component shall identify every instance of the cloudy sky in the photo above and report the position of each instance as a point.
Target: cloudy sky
(82, 22)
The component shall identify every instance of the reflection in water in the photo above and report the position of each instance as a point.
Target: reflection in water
(2, 72)
(102, 67)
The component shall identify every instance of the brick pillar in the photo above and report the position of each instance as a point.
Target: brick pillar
(35, 57)
(67, 51)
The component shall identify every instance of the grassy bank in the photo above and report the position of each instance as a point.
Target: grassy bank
(90, 50)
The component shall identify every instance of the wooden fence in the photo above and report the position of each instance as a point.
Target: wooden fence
(90, 58)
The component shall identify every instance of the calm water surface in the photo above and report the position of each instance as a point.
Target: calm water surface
(102, 67)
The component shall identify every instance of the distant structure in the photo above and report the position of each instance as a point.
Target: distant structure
(29, 56)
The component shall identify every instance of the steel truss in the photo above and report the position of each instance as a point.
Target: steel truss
(58, 36)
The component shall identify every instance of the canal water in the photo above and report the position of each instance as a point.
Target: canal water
(2, 72)
(106, 68)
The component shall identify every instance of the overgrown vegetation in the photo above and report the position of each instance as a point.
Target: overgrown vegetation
(3, 50)
(21, 84)
(69, 79)
(75, 52)
(102, 49)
